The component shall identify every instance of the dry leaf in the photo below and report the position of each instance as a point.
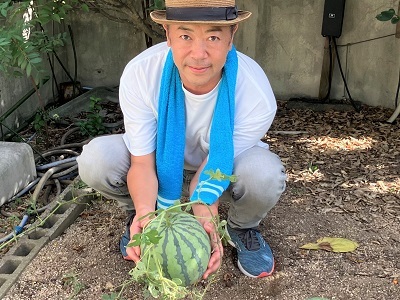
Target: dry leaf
(332, 244)
(339, 244)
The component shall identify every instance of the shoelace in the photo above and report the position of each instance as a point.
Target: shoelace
(249, 239)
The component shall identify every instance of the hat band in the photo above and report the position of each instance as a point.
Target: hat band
(201, 13)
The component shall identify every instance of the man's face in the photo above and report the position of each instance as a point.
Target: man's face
(199, 53)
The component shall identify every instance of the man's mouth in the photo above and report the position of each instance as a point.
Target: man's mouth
(198, 69)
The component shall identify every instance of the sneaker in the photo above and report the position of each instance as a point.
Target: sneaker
(126, 238)
(255, 258)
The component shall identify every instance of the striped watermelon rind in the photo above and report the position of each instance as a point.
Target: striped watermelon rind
(183, 252)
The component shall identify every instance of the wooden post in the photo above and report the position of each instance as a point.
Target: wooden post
(398, 24)
(324, 81)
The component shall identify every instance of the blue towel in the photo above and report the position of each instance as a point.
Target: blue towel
(171, 136)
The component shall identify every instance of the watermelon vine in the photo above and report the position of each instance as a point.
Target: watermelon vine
(174, 280)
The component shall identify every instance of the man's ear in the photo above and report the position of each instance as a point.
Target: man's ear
(167, 34)
(233, 31)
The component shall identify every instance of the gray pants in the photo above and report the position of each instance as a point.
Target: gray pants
(261, 179)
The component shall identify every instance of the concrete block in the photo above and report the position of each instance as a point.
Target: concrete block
(17, 169)
(59, 215)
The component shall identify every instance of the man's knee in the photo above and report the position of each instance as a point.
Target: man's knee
(102, 156)
(262, 174)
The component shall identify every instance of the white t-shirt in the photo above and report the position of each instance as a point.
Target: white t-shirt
(255, 107)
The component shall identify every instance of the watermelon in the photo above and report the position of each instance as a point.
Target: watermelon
(183, 251)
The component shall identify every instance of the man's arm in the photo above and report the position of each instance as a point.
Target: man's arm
(205, 214)
(143, 188)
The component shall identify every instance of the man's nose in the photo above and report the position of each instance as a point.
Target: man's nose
(199, 50)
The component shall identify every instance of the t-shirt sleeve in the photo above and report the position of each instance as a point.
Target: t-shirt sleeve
(255, 106)
(139, 117)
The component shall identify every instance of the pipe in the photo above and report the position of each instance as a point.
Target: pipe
(17, 230)
(397, 110)
(395, 114)
(56, 163)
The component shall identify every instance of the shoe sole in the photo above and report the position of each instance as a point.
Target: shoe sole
(263, 274)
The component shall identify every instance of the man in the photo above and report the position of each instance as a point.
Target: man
(190, 105)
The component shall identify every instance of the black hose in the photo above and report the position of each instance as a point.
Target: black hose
(58, 151)
(75, 61)
(68, 133)
(46, 176)
(356, 107)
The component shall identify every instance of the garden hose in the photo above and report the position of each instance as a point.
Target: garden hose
(17, 230)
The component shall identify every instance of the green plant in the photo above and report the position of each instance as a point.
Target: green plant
(71, 279)
(312, 168)
(40, 121)
(156, 283)
(24, 37)
(94, 123)
(78, 198)
(388, 15)
(13, 220)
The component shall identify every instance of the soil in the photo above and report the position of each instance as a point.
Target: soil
(343, 172)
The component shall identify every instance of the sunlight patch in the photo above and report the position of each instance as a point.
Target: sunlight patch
(347, 144)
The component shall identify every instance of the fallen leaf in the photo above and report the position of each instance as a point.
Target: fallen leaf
(310, 246)
(339, 244)
(332, 244)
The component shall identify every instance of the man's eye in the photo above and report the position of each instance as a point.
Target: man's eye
(213, 38)
(185, 37)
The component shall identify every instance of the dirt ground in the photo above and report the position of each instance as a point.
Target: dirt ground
(343, 181)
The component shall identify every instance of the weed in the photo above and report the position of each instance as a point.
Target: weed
(94, 123)
(71, 279)
(312, 168)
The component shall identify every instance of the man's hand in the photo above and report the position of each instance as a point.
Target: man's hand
(205, 215)
(136, 227)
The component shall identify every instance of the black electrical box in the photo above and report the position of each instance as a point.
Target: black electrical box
(333, 18)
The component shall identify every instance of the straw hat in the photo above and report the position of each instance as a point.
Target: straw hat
(218, 12)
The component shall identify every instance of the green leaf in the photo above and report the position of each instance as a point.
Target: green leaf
(17, 73)
(23, 65)
(28, 69)
(159, 4)
(153, 236)
(67, 6)
(395, 19)
(36, 60)
(112, 296)
(56, 18)
(85, 8)
(386, 15)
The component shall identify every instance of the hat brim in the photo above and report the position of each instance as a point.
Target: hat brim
(159, 17)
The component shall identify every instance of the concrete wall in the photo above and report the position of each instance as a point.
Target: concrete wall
(284, 36)
(103, 48)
